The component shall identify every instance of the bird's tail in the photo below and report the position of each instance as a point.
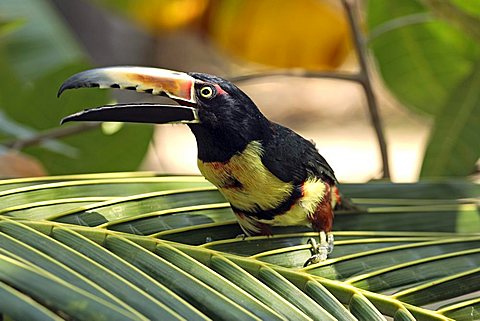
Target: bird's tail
(343, 203)
(347, 205)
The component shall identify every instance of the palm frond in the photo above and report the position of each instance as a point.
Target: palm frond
(138, 246)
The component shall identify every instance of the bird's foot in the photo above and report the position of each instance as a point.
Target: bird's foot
(319, 253)
(320, 250)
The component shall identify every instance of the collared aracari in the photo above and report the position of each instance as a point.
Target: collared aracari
(270, 175)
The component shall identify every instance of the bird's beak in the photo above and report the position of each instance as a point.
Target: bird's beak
(178, 86)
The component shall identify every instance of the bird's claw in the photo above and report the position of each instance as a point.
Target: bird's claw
(242, 236)
(320, 250)
(320, 255)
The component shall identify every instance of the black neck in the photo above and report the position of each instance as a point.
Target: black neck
(220, 144)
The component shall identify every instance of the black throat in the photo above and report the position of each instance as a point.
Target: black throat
(220, 144)
(228, 122)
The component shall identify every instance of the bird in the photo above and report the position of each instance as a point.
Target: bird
(270, 175)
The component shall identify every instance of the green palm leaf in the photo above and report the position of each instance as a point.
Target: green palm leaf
(138, 246)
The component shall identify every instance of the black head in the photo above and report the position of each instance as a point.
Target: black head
(229, 119)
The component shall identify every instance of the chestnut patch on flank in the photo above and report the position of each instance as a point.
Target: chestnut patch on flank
(322, 218)
(338, 197)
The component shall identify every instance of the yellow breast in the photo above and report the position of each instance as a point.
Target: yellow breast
(245, 182)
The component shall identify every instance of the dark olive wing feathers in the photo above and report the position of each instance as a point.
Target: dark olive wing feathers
(292, 158)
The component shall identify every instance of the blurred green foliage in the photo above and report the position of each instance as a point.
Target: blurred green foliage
(472, 7)
(427, 59)
(432, 67)
(37, 53)
(455, 140)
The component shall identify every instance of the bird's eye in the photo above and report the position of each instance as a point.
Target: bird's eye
(206, 92)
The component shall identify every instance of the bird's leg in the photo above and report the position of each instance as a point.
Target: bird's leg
(320, 250)
(330, 242)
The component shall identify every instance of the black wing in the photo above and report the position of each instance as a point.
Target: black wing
(292, 158)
